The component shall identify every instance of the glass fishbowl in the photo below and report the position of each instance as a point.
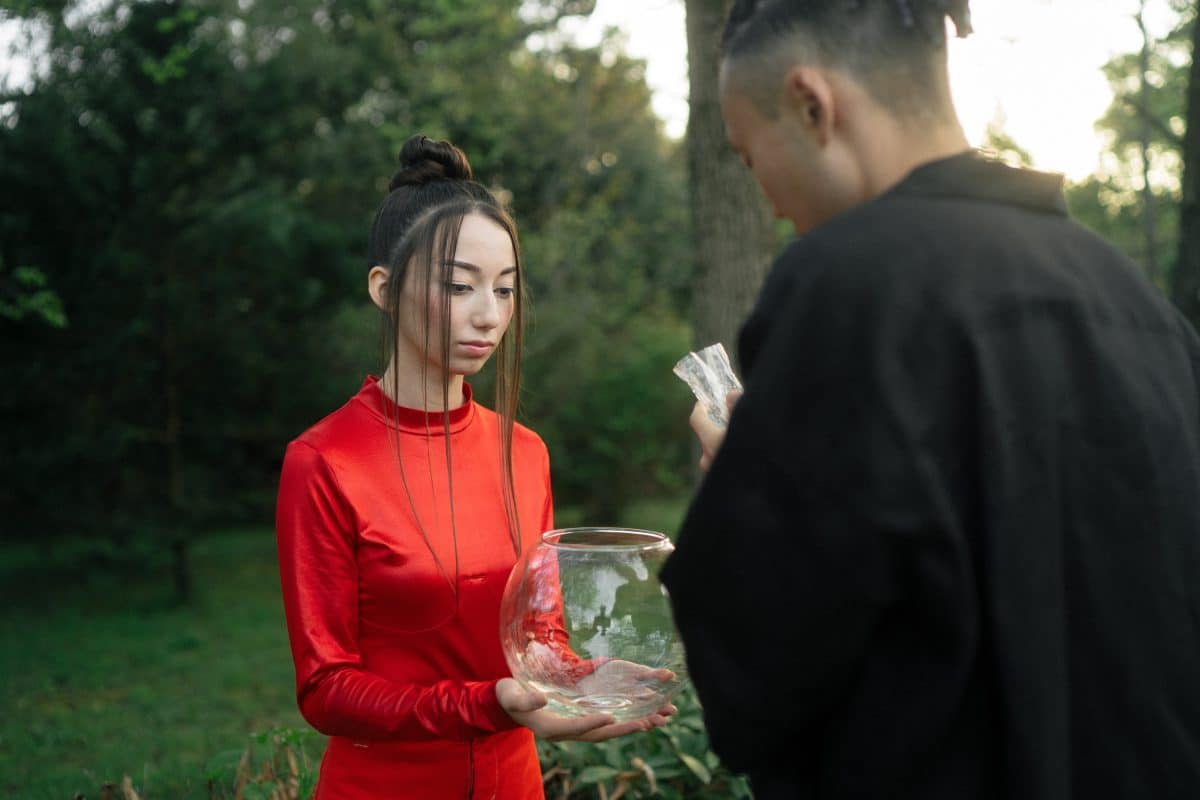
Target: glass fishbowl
(585, 621)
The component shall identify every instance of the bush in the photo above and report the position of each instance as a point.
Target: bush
(673, 762)
(612, 413)
(275, 765)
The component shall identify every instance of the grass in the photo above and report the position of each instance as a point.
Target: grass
(101, 676)
(653, 514)
(656, 514)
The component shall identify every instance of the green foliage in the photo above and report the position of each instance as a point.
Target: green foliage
(1115, 211)
(1112, 201)
(26, 294)
(277, 764)
(616, 427)
(171, 229)
(1163, 106)
(1000, 144)
(106, 680)
(105, 684)
(673, 762)
(600, 197)
(194, 180)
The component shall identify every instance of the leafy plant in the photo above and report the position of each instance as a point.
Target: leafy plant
(673, 762)
(26, 293)
(275, 765)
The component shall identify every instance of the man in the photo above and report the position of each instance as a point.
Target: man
(950, 544)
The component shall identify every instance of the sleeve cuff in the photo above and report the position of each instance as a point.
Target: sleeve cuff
(494, 718)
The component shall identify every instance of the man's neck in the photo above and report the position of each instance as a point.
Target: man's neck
(889, 155)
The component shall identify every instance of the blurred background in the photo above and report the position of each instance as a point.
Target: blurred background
(186, 188)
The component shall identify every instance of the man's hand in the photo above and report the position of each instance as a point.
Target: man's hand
(709, 432)
(526, 707)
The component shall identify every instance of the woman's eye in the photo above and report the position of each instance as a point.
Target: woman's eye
(505, 291)
(458, 288)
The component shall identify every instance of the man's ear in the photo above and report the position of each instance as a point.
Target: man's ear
(377, 281)
(809, 96)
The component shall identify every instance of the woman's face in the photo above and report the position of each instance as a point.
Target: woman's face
(482, 289)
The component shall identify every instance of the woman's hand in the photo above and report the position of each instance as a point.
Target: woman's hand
(708, 432)
(526, 708)
(620, 677)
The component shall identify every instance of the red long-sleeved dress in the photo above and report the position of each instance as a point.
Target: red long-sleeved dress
(400, 679)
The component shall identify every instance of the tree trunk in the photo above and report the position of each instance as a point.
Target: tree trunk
(178, 537)
(1149, 211)
(734, 233)
(1185, 283)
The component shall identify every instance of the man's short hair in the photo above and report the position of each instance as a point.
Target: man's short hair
(895, 48)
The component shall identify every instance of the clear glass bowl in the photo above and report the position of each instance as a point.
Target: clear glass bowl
(585, 620)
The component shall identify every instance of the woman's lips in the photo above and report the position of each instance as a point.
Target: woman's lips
(476, 349)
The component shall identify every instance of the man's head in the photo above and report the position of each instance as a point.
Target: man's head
(831, 101)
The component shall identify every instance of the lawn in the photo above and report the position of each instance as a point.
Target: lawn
(102, 677)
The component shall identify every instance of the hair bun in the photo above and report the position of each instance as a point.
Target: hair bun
(423, 160)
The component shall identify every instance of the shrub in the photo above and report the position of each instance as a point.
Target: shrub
(673, 762)
(275, 765)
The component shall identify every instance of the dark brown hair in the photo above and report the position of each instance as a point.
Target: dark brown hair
(416, 229)
(896, 48)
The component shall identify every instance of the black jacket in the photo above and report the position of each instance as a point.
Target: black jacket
(950, 547)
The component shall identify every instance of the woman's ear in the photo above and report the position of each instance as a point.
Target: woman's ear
(377, 282)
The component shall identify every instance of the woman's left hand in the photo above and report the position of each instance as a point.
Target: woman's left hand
(626, 678)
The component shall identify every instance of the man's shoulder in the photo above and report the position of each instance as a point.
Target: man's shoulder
(928, 247)
(967, 263)
(865, 249)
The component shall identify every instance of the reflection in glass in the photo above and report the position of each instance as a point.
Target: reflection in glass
(585, 620)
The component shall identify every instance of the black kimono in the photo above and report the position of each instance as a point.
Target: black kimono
(950, 547)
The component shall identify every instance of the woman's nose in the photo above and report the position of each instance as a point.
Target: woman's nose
(486, 313)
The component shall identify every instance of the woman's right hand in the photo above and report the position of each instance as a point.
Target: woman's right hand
(527, 708)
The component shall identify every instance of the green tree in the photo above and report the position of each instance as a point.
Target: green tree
(25, 294)
(1185, 282)
(194, 180)
(609, 263)
(1133, 199)
(999, 143)
(156, 183)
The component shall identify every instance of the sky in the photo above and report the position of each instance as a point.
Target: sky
(1034, 64)
(1029, 63)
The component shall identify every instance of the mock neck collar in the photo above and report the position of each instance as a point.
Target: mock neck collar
(971, 175)
(414, 420)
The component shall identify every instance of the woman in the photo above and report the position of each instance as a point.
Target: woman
(401, 514)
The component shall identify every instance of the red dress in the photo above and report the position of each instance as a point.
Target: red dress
(386, 665)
